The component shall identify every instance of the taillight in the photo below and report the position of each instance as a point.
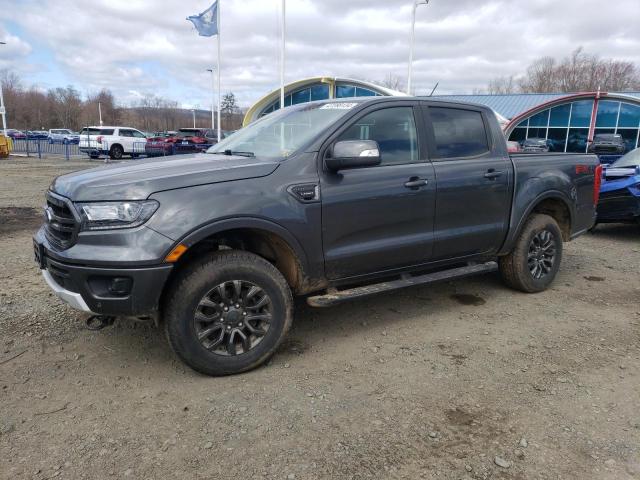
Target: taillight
(99, 139)
(597, 181)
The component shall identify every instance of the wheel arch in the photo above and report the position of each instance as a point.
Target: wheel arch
(262, 237)
(552, 203)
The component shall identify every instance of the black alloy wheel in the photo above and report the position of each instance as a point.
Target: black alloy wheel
(232, 318)
(542, 254)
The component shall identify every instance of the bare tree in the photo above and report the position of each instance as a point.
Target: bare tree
(392, 81)
(577, 72)
(502, 85)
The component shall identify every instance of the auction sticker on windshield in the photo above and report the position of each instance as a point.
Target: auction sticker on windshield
(338, 106)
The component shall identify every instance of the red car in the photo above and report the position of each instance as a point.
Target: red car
(513, 147)
(185, 140)
(15, 134)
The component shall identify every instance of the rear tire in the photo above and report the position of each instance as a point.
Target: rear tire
(210, 310)
(116, 152)
(533, 263)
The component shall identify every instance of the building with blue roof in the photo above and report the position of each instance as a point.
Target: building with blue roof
(567, 121)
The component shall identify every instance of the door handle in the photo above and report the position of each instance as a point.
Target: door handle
(415, 182)
(491, 174)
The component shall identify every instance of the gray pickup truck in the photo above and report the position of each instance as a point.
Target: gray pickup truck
(332, 200)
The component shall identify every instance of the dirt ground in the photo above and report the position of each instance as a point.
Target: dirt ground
(428, 382)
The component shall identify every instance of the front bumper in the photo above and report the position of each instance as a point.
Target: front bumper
(90, 288)
(618, 206)
(74, 300)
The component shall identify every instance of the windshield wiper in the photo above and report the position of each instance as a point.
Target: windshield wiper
(239, 153)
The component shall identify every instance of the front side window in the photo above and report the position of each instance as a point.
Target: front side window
(458, 133)
(138, 134)
(395, 131)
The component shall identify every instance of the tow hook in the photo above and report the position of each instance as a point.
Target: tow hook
(98, 322)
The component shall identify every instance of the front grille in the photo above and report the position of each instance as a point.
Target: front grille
(622, 193)
(605, 148)
(61, 276)
(62, 225)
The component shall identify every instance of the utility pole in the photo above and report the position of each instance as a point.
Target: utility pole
(100, 113)
(213, 97)
(3, 110)
(194, 117)
(413, 38)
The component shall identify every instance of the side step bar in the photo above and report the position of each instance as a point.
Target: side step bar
(337, 296)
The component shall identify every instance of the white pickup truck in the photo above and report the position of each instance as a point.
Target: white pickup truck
(112, 141)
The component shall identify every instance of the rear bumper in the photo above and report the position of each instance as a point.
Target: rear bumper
(128, 291)
(92, 150)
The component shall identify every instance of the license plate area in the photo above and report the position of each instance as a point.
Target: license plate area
(39, 255)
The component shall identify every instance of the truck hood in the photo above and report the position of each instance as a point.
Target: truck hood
(138, 179)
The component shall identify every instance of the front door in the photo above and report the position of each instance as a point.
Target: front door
(473, 199)
(380, 218)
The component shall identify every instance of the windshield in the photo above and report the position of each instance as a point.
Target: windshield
(280, 134)
(188, 133)
(631, 159)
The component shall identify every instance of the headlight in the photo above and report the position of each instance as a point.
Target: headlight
(112, 215)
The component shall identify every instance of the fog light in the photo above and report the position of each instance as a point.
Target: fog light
(120, 286)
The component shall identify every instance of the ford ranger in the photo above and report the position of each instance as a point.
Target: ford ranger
(332, 200)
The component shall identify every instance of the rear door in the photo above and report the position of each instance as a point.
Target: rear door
(126, 139)
(473, 198)
(139, 141)
(373, 218)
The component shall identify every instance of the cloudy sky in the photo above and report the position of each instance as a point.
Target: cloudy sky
(135, 47)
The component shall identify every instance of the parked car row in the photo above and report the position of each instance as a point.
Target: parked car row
(117, 141)
(602, 144)
(54, 135)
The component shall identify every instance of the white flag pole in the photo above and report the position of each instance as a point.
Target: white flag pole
(282, 51)
(219, 93)
(412, 41)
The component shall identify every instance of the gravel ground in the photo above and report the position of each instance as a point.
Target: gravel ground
(462, 380)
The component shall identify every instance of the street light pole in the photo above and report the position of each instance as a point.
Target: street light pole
(282, 52)
(2, 107)
(213, 97)
(194, 117)
(100, 113)
(413, 38)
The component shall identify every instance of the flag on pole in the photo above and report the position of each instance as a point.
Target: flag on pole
(207, 22)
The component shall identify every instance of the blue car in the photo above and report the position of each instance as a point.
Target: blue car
(620, 190)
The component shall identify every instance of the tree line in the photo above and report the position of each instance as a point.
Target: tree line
(577, 72)
(29, 108)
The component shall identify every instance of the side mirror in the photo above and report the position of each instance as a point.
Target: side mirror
(353, 154)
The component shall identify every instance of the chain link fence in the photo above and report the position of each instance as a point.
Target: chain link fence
(44, 148)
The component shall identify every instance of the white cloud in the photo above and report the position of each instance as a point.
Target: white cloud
(136, 47)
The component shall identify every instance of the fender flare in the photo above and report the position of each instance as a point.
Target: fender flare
(254, 223)
(548, 195)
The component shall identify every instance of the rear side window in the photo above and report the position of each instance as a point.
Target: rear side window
(458, 133)
(126, 133)
(90, 131)
(106, 131)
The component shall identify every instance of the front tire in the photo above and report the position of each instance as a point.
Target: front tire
(228, 313)
(534, 262)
